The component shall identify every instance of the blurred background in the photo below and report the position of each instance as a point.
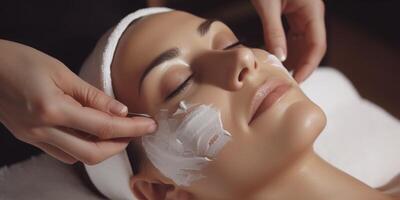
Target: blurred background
(363, 41)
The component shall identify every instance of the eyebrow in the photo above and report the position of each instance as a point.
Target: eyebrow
(163, 57)
(172, 53)
(204, 27)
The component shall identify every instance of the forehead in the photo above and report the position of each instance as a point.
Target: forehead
(153, 35)
(143, 41)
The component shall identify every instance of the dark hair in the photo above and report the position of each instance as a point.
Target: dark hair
(135, 156)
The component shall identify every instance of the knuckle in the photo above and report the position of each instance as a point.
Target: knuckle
(22, 137)
(92, 96)
(324, 46)
(108, 104)
(47, 111)
(37, 134)
(18, 133)
(318, 46)
(275, 33)
(321, 48)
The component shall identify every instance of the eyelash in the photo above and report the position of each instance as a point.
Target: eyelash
(233, 45)
(180, 88)
(185, 83)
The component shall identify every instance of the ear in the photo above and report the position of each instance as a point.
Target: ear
(145, 189)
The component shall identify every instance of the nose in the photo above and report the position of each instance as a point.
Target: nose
(228, 69)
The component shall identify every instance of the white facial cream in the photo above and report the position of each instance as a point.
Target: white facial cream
(274, 61)
(182, 147)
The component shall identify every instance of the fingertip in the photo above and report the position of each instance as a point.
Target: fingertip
(297, 76)
(301, 75)
(71, 162)
(152, 128)
(124, 112)
(280, 53)
(144, 125)
(118, 108)
(149, 128)
(298, 79)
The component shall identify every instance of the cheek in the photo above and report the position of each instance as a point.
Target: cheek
(222, 170)
(250, 160)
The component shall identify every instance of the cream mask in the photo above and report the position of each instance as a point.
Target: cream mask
(186, 141)
(274, 61)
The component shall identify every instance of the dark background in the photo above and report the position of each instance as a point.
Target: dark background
(363, 40)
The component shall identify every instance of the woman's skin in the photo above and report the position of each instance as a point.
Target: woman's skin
(55, 97)
(270, 155)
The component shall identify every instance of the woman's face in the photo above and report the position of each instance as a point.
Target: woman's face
(166, 58)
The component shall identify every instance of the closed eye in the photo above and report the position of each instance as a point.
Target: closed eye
(180, 88)
(233, 45)
(185, 83)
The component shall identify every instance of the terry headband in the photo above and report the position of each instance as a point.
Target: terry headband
(112, 176)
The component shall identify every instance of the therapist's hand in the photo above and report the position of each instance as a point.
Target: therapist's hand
(45, 104)
(305, 43)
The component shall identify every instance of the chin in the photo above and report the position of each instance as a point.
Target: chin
(303, 122)
(292, 126)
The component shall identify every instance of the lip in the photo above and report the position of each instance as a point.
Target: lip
(266, 95)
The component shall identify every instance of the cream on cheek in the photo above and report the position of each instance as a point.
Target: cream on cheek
(185, 142)
(274, 61)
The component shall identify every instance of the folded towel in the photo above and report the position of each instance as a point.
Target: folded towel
(360, 139)
(111, 177)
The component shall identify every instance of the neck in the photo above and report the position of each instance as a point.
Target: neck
(313, 178)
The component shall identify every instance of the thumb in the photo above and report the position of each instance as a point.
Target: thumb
(270, 12)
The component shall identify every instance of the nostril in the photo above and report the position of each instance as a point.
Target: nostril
(243, 74)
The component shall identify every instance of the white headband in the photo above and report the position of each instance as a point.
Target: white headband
(112, 176)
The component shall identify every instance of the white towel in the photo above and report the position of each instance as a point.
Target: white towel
(360, 138)
(371, 156)
(111, 177)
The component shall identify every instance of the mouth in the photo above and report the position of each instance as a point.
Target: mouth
(266, 95)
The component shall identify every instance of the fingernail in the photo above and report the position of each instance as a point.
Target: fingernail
(118, 108)
(280, 54)
(152, 128)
